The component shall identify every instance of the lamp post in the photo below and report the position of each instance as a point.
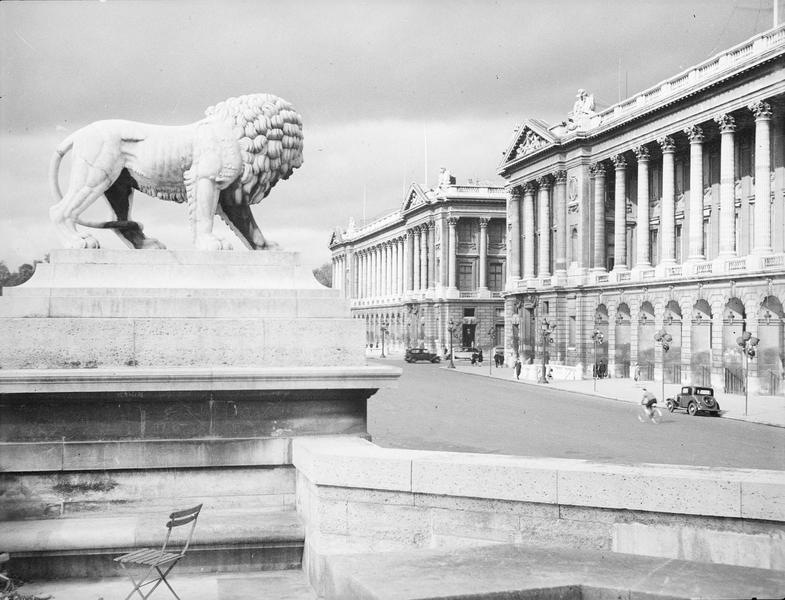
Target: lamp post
(664, 339)
(451, 329)
(491, 356)
(747, 341)
(546, 330)
(598, 338)
(384, 327)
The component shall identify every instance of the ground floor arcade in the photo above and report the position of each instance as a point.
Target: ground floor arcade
(618, 331)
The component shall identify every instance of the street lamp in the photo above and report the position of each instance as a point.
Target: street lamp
(384, 327)
(451, 329)
(546, 330)
(665, 339)
(491, 356)
(598, 338)
(747, 341)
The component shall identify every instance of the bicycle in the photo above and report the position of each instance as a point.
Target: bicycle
(654, 417)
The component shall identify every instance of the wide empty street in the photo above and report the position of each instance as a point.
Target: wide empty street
(434, 408)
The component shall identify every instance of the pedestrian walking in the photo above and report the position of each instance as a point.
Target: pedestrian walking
(517, 367)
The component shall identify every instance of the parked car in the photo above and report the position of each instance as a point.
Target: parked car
(694, 399)
(465, 353)
(415, 354)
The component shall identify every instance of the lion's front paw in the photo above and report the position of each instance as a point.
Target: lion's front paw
(211, 242)
(82, 242)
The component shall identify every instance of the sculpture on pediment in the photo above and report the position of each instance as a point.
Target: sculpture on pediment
(445, 178)
(582, 108)
(531, 142)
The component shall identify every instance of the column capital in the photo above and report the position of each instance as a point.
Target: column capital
(560, 176)
(761, 110)
(452, 221)
(667, 144)
(514, 192)
(528, 188)
(694, 134)
(597, 169)
(484, 222)
(726, 122)
(619, 162)
(642, 153)
(544, 182)
(431, 224)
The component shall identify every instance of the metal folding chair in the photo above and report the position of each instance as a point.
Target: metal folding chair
(153, 561)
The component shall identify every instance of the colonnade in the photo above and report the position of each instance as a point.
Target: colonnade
(550, 191)
(409, 264)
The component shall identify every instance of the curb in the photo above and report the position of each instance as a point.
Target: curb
(600, 396)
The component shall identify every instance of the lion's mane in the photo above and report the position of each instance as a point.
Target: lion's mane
(269, 132)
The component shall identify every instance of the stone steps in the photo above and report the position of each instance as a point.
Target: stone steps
(521, 572)
(224, 541)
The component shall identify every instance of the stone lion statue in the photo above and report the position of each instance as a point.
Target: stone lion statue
(220, 165)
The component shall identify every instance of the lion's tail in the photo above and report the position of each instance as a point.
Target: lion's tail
(54, 166)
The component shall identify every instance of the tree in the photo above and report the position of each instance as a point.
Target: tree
(23, 273)
(324, 274)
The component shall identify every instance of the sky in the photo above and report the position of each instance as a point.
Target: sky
(389, 91)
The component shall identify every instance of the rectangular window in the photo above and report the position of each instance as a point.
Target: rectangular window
(678, 244)
(571, 329)
(499, 313)
(468, 312)
(654, 247)
(496, 233)
(466, 277)
(495, 276)
(499, 341)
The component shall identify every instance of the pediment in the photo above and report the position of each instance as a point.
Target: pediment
(528, 139)
(415, 196)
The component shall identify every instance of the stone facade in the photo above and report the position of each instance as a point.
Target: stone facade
(666, 212)
(440, 257)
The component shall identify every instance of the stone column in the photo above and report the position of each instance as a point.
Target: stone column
(762, 242)
(424, 241)
(417, 260)
(544, 222)
(396, 267)
(620, 214)
(401, 265)
(452, 222)
(514, 222)
(364, 274)
(528, 231)
(484, 253)
(384, 269)
(696, 137)
(372, 273)
(668, 209)
(642, 155)
(560, 218)
(597, 171)
(727, 186)
(408, 254)
(432, 254)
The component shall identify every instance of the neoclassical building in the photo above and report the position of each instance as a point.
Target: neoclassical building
(662, 212)
(441, 256)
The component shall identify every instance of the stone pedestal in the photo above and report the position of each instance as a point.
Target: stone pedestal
(194, 363)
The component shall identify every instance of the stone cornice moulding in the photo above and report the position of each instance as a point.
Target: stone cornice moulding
(136, 379)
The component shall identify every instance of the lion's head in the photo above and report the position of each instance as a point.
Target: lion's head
(270, 135)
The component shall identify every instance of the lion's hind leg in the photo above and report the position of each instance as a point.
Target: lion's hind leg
(87, 183)
(239, 217)
(120, 198)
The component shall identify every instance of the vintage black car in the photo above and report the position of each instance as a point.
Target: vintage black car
(695, 399)
(415, 354)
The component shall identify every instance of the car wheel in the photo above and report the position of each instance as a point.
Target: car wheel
(669, 405)
(692, 408)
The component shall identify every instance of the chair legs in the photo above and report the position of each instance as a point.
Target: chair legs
(144, 581)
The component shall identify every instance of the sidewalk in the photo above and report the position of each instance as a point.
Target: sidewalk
(767, 410)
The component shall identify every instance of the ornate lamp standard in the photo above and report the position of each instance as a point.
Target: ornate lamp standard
(598, 338)
(664, 338)
(491, 333)
(546, 330)
(747, 341)
(384, 328)
(451, 329)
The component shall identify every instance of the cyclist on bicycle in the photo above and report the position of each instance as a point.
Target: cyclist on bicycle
(649, 400)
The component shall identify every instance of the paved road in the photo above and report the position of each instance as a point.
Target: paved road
(437, 409)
